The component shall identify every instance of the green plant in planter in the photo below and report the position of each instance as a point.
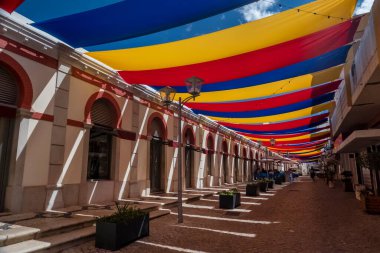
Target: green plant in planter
(252, 189)
(226, 193)
(124, 214)
(229, 199)
(126, 225)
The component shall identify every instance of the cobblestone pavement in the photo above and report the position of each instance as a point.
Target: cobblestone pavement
(304, 216)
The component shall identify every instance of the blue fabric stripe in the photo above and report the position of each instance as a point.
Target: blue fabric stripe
(325, 61)
(272, 111)
(39, 10)
(287, 131)
(128, 19)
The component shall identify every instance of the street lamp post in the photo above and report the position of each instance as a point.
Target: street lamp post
(193, 85)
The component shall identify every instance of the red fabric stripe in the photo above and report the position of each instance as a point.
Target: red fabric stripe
(251, 63)
(10, 5)
(268, 103)
(277, 126)
(282, 136)
(267, 143)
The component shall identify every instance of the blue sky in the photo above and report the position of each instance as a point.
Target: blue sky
(38, 10)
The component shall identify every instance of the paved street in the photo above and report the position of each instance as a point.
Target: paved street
(304, 216)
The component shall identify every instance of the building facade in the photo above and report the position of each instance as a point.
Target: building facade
(356, 118)
(73, 133)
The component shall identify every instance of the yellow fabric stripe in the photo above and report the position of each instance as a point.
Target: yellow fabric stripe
(269, 89)
(279, 117)
(305, 136)
(281, 27)
(310, 154)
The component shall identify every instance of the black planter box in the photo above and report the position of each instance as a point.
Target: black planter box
(278, 181)
(270, 184)
(252, 190)
(229, 201)
(263, 186)
(237, 202)
(113, 236)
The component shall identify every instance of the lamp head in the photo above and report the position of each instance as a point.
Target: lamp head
(194, 85)
(167, 95)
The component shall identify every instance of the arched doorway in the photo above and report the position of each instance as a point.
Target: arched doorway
(189, 157)
(225, 160)
(236, 163)
(210, 153)
(251, 166)
(103, 118)
(9, 95)
(257, 165)
(245, 166)
(156, 172)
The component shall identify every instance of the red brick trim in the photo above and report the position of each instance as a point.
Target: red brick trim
(75, 123)
(27, 52)
(42, 116)
(22, 78)
(77, 73)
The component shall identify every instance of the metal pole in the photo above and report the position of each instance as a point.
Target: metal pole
(180, 212)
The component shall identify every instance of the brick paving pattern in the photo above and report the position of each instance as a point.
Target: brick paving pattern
(304, 216)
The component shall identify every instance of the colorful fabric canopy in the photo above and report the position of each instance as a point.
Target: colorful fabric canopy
(268, 102)
(278, 117)
(128, 19)
(316, 70)
(251, 63)
(273, 30)
(10, 6)
(275, 127)
(272, 78)
(314, 101)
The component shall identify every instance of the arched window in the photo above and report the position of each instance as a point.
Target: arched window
(210, 153)
(103, 117)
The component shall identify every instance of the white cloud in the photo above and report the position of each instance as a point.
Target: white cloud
(257, 10)
(364, 7)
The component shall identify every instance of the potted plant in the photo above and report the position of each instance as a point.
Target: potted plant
(371, 160)
(263, 184)
(126, 225)
(229, 199)
(252, 189)
(270, 183)
(236, 192)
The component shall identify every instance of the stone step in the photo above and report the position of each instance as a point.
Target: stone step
(70, 239)
(17, 217)
(10, 234)
(158, 213)
(5, 214)
(51, 225)
(25, 247)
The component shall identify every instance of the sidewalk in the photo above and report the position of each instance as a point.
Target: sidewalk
(300, 217)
